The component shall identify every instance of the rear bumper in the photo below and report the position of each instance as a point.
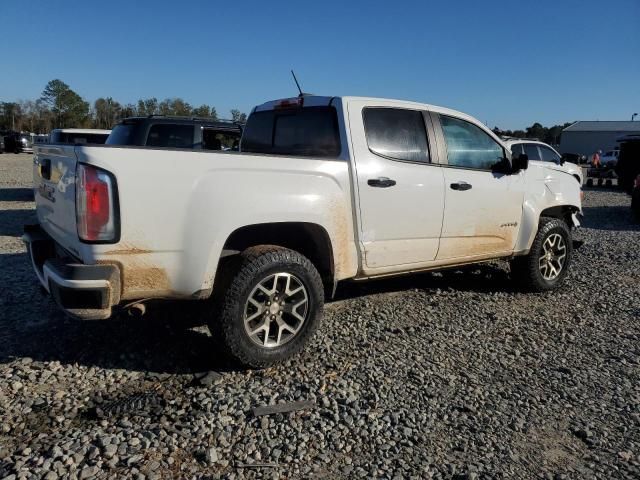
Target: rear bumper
(83, 291)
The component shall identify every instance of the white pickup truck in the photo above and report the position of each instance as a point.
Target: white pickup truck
(324, 189)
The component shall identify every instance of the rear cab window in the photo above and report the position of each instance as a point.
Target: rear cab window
(123, 134)
(310, 131)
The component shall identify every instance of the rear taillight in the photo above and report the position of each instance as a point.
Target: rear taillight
(95, 205)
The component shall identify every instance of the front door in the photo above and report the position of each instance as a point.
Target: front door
(483, 209)
(400, 190)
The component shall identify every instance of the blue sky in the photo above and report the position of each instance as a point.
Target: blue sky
(507, 63)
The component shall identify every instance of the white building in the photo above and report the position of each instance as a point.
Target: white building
(587, 137)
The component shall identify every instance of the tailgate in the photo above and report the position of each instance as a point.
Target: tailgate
(54, 182)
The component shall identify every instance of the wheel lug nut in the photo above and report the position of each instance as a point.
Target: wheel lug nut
(273, 317)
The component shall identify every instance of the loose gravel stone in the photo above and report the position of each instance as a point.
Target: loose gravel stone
(453, 374)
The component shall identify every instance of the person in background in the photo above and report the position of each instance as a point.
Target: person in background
(595, 159)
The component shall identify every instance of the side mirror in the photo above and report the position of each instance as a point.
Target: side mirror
(521, 162)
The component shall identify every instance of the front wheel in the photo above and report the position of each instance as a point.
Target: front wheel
(271, 306)
(547, 264)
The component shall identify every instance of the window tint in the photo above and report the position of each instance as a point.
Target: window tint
(308, 131)
(122, 134)
(171, 136)
(469, 146)
(549, 155)
(516, 150)
(396, 133)
(531, 149)
(220, 140)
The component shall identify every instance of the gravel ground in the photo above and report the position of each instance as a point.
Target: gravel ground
(444, 375)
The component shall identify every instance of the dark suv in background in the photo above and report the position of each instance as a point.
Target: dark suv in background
(193, 133)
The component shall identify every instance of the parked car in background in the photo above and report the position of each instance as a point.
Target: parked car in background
(575, 158)
(74, 136)
(26, 142)
(192, 133)
(323, 189)
(540, 151)
(12, 143)
(635, 198)
(628, 166)
(609, 159)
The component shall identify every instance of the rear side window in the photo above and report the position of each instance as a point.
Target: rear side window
(122, 134)
(308, 131)
(468, 146)
(531, 149)
(170, 136)
(396, 133)
(549, 155)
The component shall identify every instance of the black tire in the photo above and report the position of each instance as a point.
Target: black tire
(242, 275)
(635, 204)
(526, 271)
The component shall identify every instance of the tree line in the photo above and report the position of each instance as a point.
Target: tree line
(61, 107)
(547, 135)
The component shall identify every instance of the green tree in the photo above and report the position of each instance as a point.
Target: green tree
(106, 112)
(68, 108)
(147, 107)
(10, 115)
(536, 131)
(238, 116)
(204, 111)
(129, 110)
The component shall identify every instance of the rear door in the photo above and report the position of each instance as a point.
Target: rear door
(54, 182)
(400, 187)
(483, 208)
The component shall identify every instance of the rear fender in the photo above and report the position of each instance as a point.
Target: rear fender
(269, 197)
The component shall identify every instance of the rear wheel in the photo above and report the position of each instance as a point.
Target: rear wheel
(270, 307)
(548, 261)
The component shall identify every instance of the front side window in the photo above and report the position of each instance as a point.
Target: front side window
(468, 146)
(396, 133)
(170, 136)
(549, 155)
(531, 149)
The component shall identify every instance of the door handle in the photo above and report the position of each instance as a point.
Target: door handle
(382, 182)
(461, 186)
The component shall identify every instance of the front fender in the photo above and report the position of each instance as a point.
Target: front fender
(546, 189)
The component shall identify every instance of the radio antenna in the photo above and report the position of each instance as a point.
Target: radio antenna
(297, 84)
